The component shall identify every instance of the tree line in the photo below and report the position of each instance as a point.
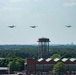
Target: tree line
(14, 64)
(14, 58)
(32, 51)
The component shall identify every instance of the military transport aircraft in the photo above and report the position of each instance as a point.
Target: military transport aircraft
(68, 26)
(33, 26)
(12, 26)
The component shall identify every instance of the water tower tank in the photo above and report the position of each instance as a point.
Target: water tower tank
(43, 47)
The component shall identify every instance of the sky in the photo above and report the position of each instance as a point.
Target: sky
(50, 17)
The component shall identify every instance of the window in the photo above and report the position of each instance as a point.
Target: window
(39, 67)
(30, 66)
(47, 67)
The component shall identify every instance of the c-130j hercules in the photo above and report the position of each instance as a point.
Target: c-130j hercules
(68, 26)
(11, 26)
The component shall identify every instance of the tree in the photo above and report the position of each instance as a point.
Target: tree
(4, 62)
(59, 68)
(12, 66)
(67, 55)
(21, 62)
(10, 55)
(56, 56)
(17, 64)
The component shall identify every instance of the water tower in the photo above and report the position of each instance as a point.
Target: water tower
(43, 48)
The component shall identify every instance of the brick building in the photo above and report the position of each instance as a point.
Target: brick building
(45, 66)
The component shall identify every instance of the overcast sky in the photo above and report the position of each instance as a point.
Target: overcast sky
(50, 17)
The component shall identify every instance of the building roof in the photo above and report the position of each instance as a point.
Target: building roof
(72, 59)
(48, 59)
(40, 59)
(56, 59)
(53, 61)
(3, 68)
(64, 59)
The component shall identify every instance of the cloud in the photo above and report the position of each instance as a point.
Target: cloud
(38, 0)
(9, 8)
(57, 0)
(69, 4)
(14, 1)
